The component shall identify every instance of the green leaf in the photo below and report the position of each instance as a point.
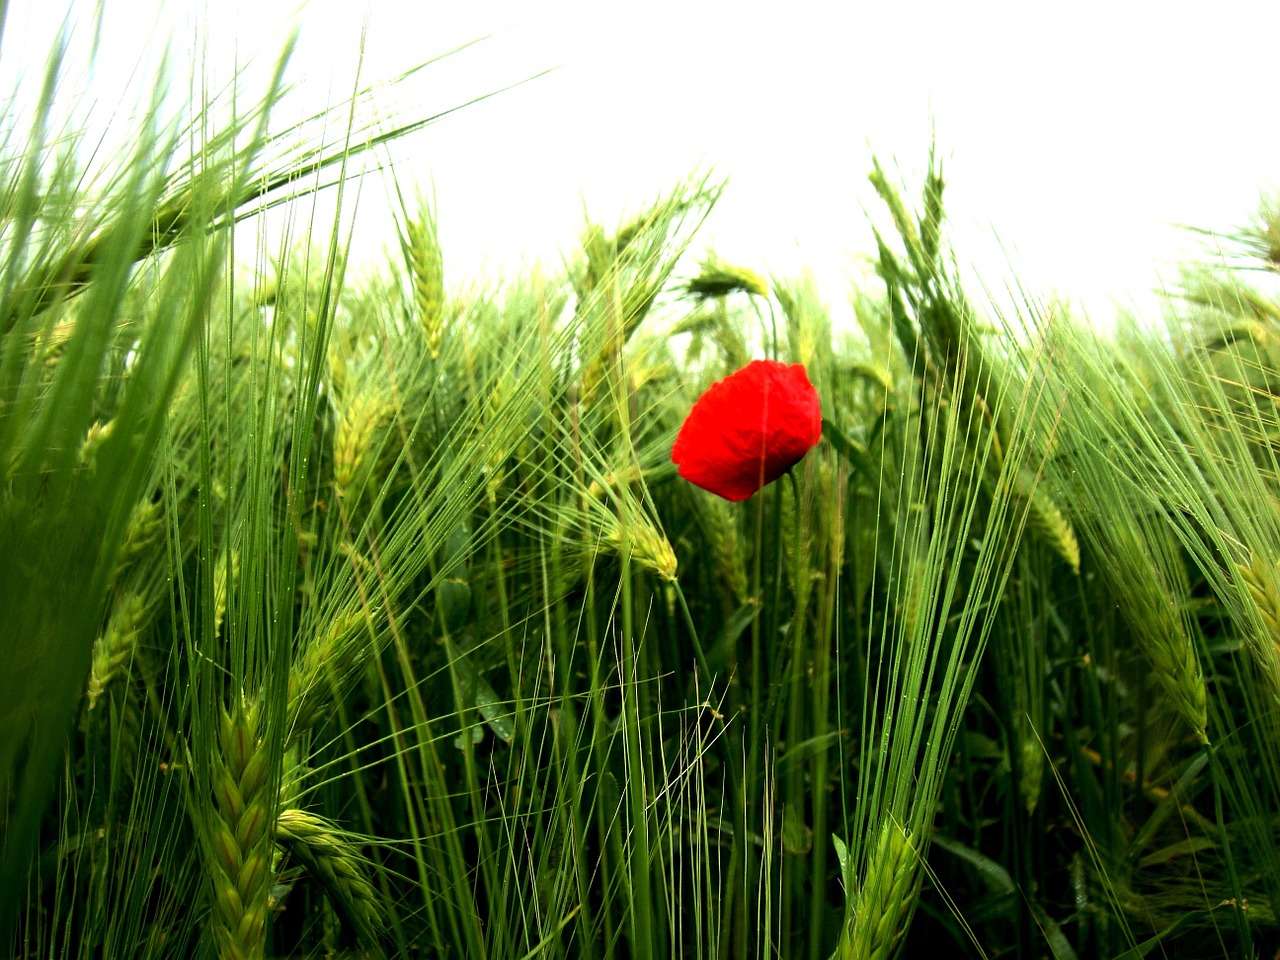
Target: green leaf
(995, 876)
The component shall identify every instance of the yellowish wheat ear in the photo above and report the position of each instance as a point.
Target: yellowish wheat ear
(1047, 522)
(145, 526)
(719, 279)
(362, 414)
(113, 651)
(426, 263)
(220, 575)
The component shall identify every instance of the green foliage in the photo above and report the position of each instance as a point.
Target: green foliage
(353, 613)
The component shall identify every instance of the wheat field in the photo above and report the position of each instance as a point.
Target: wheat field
(364, 613)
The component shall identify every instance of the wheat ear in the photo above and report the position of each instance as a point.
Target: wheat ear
(353, 443)
(145, 525)
(326, 853)
(886, 900)
(239, 836)
(719, 279)
(649, 547)
(220, 577)
(1169, 649)
(113, 651)
(328, 659)
(1051, 525)
(427, 266)
(1262, 580)
(721, 532)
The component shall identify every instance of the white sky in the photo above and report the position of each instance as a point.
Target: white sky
(1077, 136)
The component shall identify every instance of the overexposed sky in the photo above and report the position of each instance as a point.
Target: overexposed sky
(1074, 137)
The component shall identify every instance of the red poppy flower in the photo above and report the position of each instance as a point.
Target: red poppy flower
(749, 429)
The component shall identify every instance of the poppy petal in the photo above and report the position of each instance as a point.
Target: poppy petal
(749, 429)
